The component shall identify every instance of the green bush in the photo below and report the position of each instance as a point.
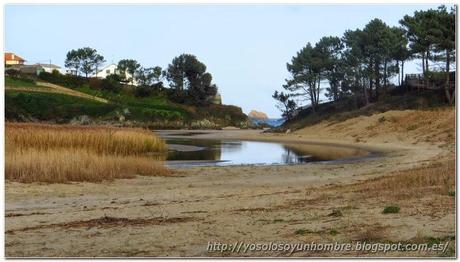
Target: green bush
(336, 213)
(301, 231)
(71, 81)
(391, 209)
(111, 83)
(333, 232)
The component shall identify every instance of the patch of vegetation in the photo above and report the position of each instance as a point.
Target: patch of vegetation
(19, 82)
(333, 232)
(433, 241)
(23, 106)
(336, 213)
(346, 108)
(452, 193)
(391, 209)
(412, 127)
(301, 231)
(62, 153)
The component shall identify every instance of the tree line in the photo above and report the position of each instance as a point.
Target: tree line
(361, 63)
(188, 79)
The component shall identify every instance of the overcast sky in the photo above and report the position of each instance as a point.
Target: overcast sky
(245, 47)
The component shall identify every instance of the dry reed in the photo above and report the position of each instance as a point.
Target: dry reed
(62, 153)
(102, 140)
(435, 178)
(63, 165)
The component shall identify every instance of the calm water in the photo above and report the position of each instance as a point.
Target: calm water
(186, 151)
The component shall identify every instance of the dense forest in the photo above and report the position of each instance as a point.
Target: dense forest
(361, 65)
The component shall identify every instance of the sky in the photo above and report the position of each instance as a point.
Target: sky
(245, 47)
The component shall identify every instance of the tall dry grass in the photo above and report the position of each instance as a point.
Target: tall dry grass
(63, 165)
(436, 178)
(62, 153)
(102, 140)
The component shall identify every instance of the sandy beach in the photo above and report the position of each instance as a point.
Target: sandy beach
(182, 214)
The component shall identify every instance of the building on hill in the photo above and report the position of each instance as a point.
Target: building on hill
(28, 69)
(419, 81)
(13, 59)
(217, 99)
(106, 71)
(49, 67)
(35, 69)
(112, 69)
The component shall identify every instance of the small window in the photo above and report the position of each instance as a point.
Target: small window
(107, 71)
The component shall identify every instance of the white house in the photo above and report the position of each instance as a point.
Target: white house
(49, 67)
(106, 71)
(110, 70)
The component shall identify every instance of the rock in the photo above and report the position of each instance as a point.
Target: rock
(257, 114)
(81, 120)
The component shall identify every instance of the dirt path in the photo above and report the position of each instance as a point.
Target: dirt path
(51, 88)
(182, 214)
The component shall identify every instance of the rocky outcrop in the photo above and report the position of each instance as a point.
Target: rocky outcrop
(257, 114)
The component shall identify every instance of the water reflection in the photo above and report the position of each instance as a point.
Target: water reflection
(187, 152)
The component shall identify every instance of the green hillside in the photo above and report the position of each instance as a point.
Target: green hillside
(33, 100)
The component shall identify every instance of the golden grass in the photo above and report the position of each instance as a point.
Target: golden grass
(436, 178)
(62, 153)
(102, 140)
(436, 125)
(63, 165)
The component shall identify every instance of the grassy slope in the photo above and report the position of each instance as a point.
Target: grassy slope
(346, 109)
(11, 82)
(27, 101)
(428, 125)
(26, 106)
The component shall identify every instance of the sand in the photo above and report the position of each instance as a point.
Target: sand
(183, 214)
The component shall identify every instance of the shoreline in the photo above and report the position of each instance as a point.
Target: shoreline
(364, 153)
(226, 204)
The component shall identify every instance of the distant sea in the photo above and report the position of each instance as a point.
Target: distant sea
(269, 121)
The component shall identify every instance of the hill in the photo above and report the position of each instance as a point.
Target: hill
(40, 101)
(435, 125)
(344, 109)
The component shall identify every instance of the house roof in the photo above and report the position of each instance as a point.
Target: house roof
(13, 57)
(49, 66)
(28, 69)
(105, 67)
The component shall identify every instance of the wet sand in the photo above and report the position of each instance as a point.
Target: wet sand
(180, 215)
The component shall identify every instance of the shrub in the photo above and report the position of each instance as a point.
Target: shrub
(333, 232)
(14, 73)
(112, 83)
(335, 213)
(391, 209)
(300, 231)
(142, 91)
(57, 78)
